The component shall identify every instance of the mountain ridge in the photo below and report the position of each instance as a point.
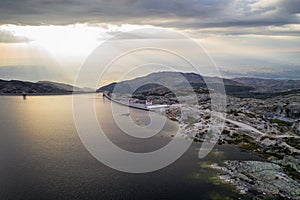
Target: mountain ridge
(40, 87)
(243, 87)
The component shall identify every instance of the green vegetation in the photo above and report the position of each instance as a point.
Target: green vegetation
(267, 137)
(281, 122)
(292, 172)
(250, 115)
(220, 142)
(234, 112)
(207, 117)
(225, 131)
(276, 151)
(262, 95)
(250, 146)
(238, 138)
(174, 119)
(294, 142)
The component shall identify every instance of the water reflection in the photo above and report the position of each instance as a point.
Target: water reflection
(42, 157)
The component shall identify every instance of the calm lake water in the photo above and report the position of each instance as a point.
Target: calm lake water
(42, 157)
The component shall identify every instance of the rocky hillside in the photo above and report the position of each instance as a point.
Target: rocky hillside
(42, 87)
(238, 87)
(174, 79)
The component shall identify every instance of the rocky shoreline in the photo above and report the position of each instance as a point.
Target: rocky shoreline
(265, 178)
(254, 125)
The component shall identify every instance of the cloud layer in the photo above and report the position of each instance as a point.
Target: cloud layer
(239, 34)
(9, 37)
(172, 13)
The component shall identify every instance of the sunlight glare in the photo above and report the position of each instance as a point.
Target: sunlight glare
(61, 41)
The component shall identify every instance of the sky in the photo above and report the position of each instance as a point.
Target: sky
(51, 39)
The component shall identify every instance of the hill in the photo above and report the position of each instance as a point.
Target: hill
(41, 87)
(238, 87)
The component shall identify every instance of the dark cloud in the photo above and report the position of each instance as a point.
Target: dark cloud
(170, 13)
(9, 37)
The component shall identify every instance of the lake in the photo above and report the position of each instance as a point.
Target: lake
(42, 157)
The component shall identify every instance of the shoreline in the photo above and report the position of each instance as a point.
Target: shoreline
(124, 104)
(47, 94)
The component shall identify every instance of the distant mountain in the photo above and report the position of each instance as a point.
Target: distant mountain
(41, 87)
(66, 87)
(239, 87)
(269, 84)
(174, 79)
(288, 74)
(110, 87)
